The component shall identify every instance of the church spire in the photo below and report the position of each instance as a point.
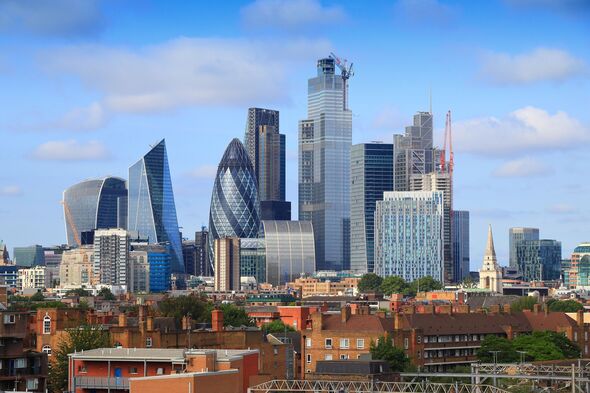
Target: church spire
(490, 251)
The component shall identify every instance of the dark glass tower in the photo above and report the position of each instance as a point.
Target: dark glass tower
(94, 204)
(235, 210)
(152, 212)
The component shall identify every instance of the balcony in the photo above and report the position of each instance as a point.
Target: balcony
(119, 383)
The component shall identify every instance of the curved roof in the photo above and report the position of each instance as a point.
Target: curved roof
(235, 156)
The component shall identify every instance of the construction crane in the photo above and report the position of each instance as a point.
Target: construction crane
(70, 222)
(346, 73)
(448, 141)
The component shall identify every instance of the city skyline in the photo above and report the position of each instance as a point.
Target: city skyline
(68, 120)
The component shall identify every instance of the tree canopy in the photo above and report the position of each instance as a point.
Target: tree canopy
(370, 282)
(78, 292)
(235, 316)
(385, 350)
(277, 326)
(523, 303)
(106, 294)
(200, 308)
(564, 305)
(396, 284)
(38, 297)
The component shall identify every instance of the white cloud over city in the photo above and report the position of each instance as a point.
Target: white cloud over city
(290, 14)
(71, 150)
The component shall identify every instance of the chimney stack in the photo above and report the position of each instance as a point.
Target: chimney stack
(580, 318)
(150, 324)
(345, 313)
(507, 309)
(122, 320)
(217, 320)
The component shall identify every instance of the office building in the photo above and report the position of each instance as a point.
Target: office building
(8, 275)
(150, 264)
(111, 256)
(461, 253)
(204, 264)
(266, 148)
(226, 255)
(539, 260)
(435, 181)
(490, 275)
(29, 256)
(579, 270)
(152, 211)
(138, 272)
(76, 268)
(371, 174)
(253, 259)
(189, 254)
(32, 278)
(325, 139)
(290, 250)
(517, 234)
(235, 210)
(94, 204)
(409, 235)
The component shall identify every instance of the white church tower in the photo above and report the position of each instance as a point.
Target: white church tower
(490, 275)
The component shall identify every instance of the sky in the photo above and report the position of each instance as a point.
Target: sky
(86, 86)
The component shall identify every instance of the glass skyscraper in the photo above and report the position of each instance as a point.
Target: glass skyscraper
(325, 139)
(461, 255)
(515, 235)
(539, 260)
(152, 212)
(371, 174)
(95, 204)
(235, 210)
(409, 235)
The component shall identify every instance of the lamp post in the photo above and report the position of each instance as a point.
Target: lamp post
(522, 357)
(495, 355)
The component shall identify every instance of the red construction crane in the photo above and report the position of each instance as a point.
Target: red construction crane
(448, 141)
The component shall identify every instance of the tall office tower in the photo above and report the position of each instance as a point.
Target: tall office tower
(539, 260)
(235, 210)
(371, 174)
(490, 274)
(203, 266)
(152, 212)
(461, 256)
(413, 153)
(253, 259)
(517, 234)
(190, 255)
(436, 181)
(579, 270)
(266, 149)
(29, 256)
(111, 255)
(409, 235)
(227, 264)
(158, 262)
(325, 139)
(94, 204)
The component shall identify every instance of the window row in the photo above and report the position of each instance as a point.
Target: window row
(344, 343)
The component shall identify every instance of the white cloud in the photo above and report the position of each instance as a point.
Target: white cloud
(388, 118)
(541, 64)
(562, 209)
(71, 150)
(186, 71)
(204, 172)
(424, 13)
(522, 167)
(85, 118)
(525, 130)
(51, 17)
(290, 14)
(10, 190)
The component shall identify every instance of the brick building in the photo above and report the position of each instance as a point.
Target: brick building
(314, 286)
(51, 324)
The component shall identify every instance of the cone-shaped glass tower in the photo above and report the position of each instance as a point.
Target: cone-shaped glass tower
(235, 207)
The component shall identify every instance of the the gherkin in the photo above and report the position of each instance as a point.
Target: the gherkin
(235, 209)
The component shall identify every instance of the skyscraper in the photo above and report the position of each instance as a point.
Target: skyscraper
(152, 211)
(204, 265)
(227, 264)
(409, 235)
(371, 174)
(461, 255)
(94, 204)
(111, 256)
(266, 149)
(235, 210)
(517, 234)
(413, 153)
(325, 139)
(436, 181)
(539, 260)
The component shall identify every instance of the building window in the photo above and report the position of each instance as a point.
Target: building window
(47, 349)
(406, 343)
(132, 370)
(344, 343)
(328, 356)
(148, 342)
(9, 318)
(575, 336)
(419, 339)
(344, 356)
(328, 343)
(20, 363)
(308, 342)
(360, 343)
(82, 369)
(32, 384)
(160, 371)
(276, 350)
(419, 354)
(46, 324)
(308, 360)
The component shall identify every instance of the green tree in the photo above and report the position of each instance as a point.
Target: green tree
(546, 346)
(38, 297)
(490, 344)
(564, 305)
(106, 294)
(277, 326)
(468, 283)
(523, 303)
(78, 339)
(370, 282)
(180, 306)
(425, 284)
(235, 316)
(385, 350)
(78, 292)
(394, 284)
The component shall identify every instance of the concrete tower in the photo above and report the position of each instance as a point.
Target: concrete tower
(490, 275)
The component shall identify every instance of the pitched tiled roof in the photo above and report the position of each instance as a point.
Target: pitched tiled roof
(474, 323)
(551, 321)
(364, 323)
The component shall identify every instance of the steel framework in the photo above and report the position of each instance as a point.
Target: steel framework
(369, 387)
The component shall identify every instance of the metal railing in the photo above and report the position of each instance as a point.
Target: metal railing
(369, 387)
(102, 382)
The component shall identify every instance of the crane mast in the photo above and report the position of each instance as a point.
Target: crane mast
(346, 73)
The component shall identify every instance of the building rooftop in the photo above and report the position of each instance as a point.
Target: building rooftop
(156, 354)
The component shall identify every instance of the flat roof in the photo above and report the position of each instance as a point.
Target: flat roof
(156, 354)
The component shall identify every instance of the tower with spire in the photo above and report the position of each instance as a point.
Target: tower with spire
(490, 274)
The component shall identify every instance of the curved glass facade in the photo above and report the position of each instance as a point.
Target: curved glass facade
(95, 204)
(235, 210)
(152, 212)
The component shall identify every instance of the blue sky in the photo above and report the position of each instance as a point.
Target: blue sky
(87, 86)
